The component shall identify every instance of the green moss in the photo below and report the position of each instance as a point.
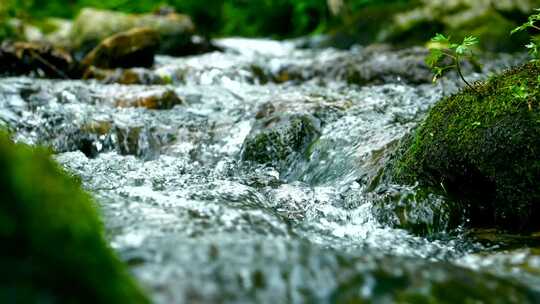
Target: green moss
(482, 147)
(275, 139)
(406, 281)
(491, 23)
(416, 210)
(53, 248)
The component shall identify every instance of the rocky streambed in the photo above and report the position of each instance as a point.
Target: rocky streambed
(244, 175)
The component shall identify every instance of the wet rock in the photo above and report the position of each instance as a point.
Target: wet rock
(503, 240)
(373, 65)
(125, 76)
(97, 137)
(133, 48)
(92, 26)
(482, 148)
(278, 138)
(414, 281)
(52, 237)
(382, 67)
(20, 58)
(154, 100)
(415, 209)
(141, 141)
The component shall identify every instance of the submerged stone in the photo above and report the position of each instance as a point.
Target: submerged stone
(416, 281)
(277, 138)
(153, 100)
(415, 209)
(53, 248)
(482, 148)
(133, 48)
(376, 64)
(125, 76)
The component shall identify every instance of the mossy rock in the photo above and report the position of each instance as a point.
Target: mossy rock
(482, 148)
(53, 248)
(133, 48)
(490, 21)
(406, 281)
(92, 26)
(415, 209)
(278, 138)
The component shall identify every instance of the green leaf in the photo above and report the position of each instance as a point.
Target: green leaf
(461, 49)
(453, 46)
(470, 41)
(434, 57)
(440, 38)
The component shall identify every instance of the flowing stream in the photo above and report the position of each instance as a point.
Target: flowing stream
(198, 224)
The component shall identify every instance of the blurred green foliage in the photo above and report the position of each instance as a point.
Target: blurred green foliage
(53, 245)
(5, 30)
(277, 18)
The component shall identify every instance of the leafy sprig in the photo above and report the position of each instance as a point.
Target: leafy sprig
(443, 48)
(533, 46)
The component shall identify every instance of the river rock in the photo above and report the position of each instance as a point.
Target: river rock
(415, 281)
(375, 64)
(21, 58)
(52, 236)
(92, 26)
(152, 99)
(280, 137)
(482, 148)
(133, 48)
(125, 76)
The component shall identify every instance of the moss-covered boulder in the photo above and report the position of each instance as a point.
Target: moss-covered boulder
(491, 21)
(481, 147)
(92, 26)
(278, 138)
(133, 48)
(53, 248)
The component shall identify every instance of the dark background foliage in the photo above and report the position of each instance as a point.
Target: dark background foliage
(275, 18)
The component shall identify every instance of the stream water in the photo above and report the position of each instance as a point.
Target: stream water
(198, 224)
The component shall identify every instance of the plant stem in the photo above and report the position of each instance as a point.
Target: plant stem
(458, 68)
(535, 27)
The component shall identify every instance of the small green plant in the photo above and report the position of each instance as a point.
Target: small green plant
(533, 45)
(520, 91)
(443, 48)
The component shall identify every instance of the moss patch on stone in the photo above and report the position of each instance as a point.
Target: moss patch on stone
(53, 248)
(274, 140)
(482, 147)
